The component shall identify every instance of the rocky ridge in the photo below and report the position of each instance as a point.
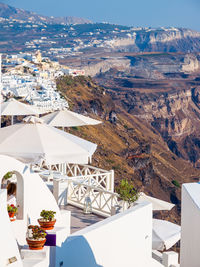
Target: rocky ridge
(157, 40)
(9, 12)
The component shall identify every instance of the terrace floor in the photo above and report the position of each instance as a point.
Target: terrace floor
(79, 220)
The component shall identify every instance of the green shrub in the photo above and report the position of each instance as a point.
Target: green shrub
(110, 161)
(116, 167)
(127, 192)
(176, 183)
(75, 128)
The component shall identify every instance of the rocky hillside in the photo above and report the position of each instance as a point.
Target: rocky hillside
(9, 12)
(163, 90)
(128, 144)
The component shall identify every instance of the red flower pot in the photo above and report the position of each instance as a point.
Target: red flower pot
(35, 244)
(46, 225)
(11, 214)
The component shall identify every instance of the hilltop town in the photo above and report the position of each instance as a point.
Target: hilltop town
(33, 78)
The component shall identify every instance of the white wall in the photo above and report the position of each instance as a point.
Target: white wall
(123, 240)
(190, 225)
(8, 245)
(35, 195)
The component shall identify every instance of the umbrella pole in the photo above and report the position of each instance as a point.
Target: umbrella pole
(12, 119)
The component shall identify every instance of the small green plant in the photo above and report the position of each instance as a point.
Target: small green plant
(75, 128)
(116, 167)
(8, 175)
(48, 215)
(127, 192)
(109, 161)
(176, 183)
(37, 232)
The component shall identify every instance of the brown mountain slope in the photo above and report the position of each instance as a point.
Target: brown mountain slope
(10, 12)
(133, 148)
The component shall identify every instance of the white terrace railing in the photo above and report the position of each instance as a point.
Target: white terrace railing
(73, 192)
(102, 201)
(87, 174)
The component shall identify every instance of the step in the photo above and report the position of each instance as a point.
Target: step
(27, 253)
(34, 263)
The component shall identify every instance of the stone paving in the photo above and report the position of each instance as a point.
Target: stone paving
(79, 220)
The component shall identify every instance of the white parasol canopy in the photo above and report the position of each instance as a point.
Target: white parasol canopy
(164, 234)
(157, 204)
(36, 142)
(13, 107)
(67, 118)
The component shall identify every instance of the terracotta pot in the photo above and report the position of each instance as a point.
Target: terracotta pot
(46, 225)
(11, 214)
(35, 244)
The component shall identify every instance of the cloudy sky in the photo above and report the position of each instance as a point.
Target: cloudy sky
(153, 13)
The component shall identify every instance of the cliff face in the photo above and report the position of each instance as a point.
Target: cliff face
(190, 64)
(174, 114)
(147, 65)
(129, 144)
(160, 40)
(156, 90)
(106, 65)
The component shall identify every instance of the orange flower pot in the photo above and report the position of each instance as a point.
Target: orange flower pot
(11, 214)
(46, 225)
(35, 244)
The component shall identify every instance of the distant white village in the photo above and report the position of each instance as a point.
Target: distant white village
(33, 78)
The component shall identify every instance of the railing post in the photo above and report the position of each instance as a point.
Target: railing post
(75, 170)
(86, 171)
(60, 191)
(60, 167)
(170, 259)
(110, 181)
(69, 190)
(89, 181)
(64, 168)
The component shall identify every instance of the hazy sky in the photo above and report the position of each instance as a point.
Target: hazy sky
(154, 13)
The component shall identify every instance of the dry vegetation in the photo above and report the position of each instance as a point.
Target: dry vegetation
(131, 147)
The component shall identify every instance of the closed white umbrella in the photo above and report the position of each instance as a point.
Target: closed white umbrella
(13, 107)
(164, 234)
(36, 142)
(157, 204)
(67, 118)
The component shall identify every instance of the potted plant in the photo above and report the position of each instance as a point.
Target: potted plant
(47, 219)
(36, 237)
(12, 210)
(127, 192)
(7, 176)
